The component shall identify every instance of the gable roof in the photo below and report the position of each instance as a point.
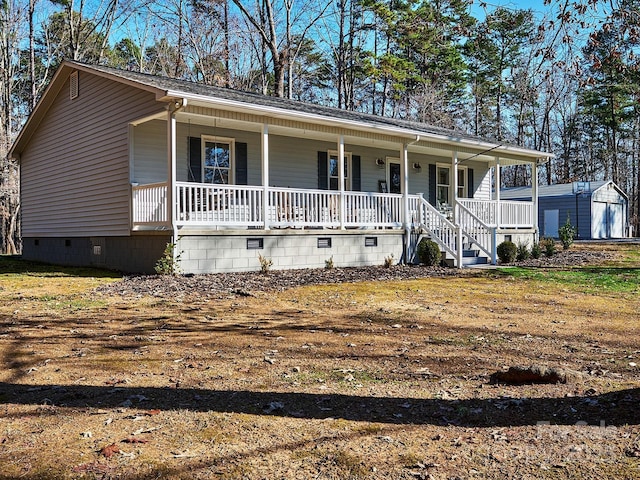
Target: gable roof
(169, 90)
(557, 190)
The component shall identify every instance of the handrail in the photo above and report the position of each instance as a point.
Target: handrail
(444, 232)
(476, 230)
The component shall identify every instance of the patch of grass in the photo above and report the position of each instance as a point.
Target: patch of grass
(371, 429)
(352, 466)
(583, 279)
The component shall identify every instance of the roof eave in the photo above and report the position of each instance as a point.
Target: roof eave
(405, 133)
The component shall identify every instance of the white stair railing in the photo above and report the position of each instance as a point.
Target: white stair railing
(438, 227)
(476, 231)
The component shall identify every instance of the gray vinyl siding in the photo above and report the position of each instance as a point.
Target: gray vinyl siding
(481, 180)
(75, 169)
(149, 152)
(292, 161)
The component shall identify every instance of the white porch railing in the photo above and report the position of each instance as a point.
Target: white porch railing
(149, 204)
(505, 214)
(291, 207)
(373, 209)
(239, 205)
(219, 205)
(243, 206)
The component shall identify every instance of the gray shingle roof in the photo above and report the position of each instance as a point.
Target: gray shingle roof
(176, 85)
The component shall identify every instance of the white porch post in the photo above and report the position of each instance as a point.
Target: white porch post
(171, 169)
(404, 173)
(453, 182)
(341, 179)
(534, 197)
(497, 186)
(265, 175)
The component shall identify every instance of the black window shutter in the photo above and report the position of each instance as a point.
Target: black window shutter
(323, 171)
(195, 159)
(470, 188)
(356, 179)
(241, 164)
(432, 184)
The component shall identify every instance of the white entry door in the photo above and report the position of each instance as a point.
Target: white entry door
(551, 223)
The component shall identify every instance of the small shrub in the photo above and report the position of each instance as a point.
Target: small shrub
(328, 263)
(265, 263)
(507, 251)
(388, 261)
(536, 250)
(522, 251)
(168, 264)
(429, 252)
(567, 233)
(549, 246)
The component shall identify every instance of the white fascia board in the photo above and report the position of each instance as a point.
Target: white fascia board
(408, 134)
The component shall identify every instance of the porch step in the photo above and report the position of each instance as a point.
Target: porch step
(470, 257)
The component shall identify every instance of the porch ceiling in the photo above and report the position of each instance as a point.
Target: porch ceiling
(199, 115)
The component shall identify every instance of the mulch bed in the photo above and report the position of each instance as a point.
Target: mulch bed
(225, 285)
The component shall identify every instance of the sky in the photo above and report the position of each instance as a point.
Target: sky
(535, 5)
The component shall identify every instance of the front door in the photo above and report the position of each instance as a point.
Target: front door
(394, 176)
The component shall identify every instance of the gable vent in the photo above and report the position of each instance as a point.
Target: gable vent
(73, 85)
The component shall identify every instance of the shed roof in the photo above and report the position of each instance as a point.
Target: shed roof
(557, 190)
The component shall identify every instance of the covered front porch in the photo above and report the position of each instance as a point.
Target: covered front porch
(229, 170)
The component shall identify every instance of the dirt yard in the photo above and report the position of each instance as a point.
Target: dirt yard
(342, 374)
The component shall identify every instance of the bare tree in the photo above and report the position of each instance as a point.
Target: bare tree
(10, 28)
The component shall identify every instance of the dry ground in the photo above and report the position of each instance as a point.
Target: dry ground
(259, 378)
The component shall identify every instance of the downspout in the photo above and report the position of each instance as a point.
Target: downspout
(405, 197)
(172, 210)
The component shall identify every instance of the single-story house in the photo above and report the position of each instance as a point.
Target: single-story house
(596, 209)
(116, 165)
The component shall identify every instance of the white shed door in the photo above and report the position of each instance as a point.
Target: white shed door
(616, 220)
(599, 219)
(551, 223)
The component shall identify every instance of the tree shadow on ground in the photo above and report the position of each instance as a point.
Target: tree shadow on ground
(14, 264)
(614, 408)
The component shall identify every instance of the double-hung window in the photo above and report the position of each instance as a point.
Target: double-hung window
(334, 177)
(218, 160)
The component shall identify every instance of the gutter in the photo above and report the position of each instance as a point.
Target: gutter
(277, 112)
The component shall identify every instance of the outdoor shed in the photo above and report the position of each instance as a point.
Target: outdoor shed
(597, 209)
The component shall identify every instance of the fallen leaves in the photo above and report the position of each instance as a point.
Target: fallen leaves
(110, 450)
